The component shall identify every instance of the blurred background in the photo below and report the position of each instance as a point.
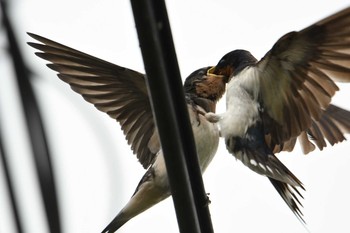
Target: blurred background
(95, 171)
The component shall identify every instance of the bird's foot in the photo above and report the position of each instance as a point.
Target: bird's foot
(212, 117)
(208, 200)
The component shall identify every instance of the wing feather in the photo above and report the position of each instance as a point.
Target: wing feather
(297, 76)
(331, 127)
(115, 90)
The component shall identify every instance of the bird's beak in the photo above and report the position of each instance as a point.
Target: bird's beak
(225, 71)
(212, 72)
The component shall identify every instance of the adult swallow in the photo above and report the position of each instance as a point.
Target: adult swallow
(284, 97)
(122, 94)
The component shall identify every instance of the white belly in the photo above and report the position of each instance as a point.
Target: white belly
(242, 108)
(207, 141)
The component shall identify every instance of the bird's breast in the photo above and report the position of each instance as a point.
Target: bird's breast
(242, 107)
(206, 135)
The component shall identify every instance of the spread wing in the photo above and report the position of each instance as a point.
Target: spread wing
(117, 91)
(333, 124)
(297, 76)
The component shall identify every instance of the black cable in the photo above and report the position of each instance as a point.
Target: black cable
(9, 183)
(35, 127)
(171, 115)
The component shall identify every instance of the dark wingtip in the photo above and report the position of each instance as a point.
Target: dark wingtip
(35, 45)
(290, 198)
(35, 36)
(30, 34)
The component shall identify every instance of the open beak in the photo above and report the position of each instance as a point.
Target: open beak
(225, 71)
(211, 71)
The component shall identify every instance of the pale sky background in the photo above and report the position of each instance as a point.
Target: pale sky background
(95, 169)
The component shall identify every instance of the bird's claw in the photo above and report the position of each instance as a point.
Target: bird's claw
(212, 117)
(208, 200)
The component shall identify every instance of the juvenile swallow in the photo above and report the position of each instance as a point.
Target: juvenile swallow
(122, 94)
(284, 97)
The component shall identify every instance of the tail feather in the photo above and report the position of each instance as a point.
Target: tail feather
(265, 163)
(290, 194)
(148, 193)
(140, 202)
(252, 151)
(117, 222)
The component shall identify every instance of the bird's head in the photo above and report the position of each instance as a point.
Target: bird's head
(203, 84)
(233, 62)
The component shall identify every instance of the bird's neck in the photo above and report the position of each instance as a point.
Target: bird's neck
(206, 104)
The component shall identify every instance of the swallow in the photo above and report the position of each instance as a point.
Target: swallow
(122, 94)
(286, 97)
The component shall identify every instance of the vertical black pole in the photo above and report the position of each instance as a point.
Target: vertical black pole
(35, 127)
(9, 182)
(171, 115)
